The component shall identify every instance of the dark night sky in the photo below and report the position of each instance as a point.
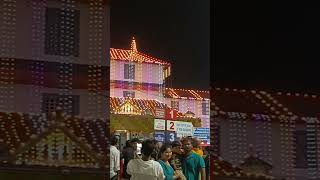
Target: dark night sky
(274, 45)
(177, 31)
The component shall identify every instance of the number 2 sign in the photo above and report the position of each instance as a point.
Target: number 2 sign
(171, 126)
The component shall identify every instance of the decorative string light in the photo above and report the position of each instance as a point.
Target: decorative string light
(214, 133)
(66, 51)
(124, 55)
(149, 70)
(96, 60)
(37, 65)
(287, 126)
(263, 137)
(311, 148)
(238, 138)
(318, 146)
(160, 82)
(7, 55)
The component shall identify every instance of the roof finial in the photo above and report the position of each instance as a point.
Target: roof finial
(133, 45)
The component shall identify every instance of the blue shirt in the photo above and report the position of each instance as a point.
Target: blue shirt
(167, 170)
(191, 166)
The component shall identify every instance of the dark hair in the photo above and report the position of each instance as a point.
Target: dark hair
(164, 147)
(175, 144)
(148, 147)
(189, 139)
(155, 141)
(113, 140)
(135, 140)
(128, 143)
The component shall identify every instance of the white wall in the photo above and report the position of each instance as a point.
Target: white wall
(144, 73)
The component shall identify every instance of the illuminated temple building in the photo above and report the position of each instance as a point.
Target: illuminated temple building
(137, 87)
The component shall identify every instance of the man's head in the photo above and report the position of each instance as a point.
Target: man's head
(177, 147)
(128, 143)
(196, 142)
(114, 140)
(187, 145)
(148, 147)
(134, 143)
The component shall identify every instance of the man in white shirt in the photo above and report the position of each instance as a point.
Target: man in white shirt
(114, 159)
(145, 168)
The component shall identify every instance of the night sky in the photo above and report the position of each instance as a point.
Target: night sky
(176, 31)
(274, 45)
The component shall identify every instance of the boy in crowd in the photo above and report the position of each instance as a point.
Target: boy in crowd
(193, 165)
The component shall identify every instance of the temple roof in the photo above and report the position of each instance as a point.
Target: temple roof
(135, 56)
(141, 104)
(18, 130)
(129, 55)
(272, 104)
(186, 93)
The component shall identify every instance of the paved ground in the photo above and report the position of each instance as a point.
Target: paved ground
(28, 176)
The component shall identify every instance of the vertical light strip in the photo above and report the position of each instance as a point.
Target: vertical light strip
(7, 54)
(233, 140)
(96, 59)
(263, 137)
(287, 127)
(318, 146)
(214, 134)
(149, 80)
(238, 139)
(311, 148)
(66, 53)
(268, 137)
(37, 65)
(160, 83)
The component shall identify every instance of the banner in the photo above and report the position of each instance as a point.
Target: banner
(183, 129)
(159, 124)
(203, 134)
(159, 136)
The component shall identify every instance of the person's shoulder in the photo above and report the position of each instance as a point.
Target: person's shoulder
(196, 155)
(133, 161)
(157, 163)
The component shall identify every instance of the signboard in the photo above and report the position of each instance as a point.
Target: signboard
(170, 136)
(159, 124)
(171, 114)
(203, 134)
(183, 129)
(159, 136)
(171, 125)
(160, 113)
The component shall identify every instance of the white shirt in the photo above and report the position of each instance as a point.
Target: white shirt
(145, 170)
(114, 161)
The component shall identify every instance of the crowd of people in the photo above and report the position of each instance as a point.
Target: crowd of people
(179, 160)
